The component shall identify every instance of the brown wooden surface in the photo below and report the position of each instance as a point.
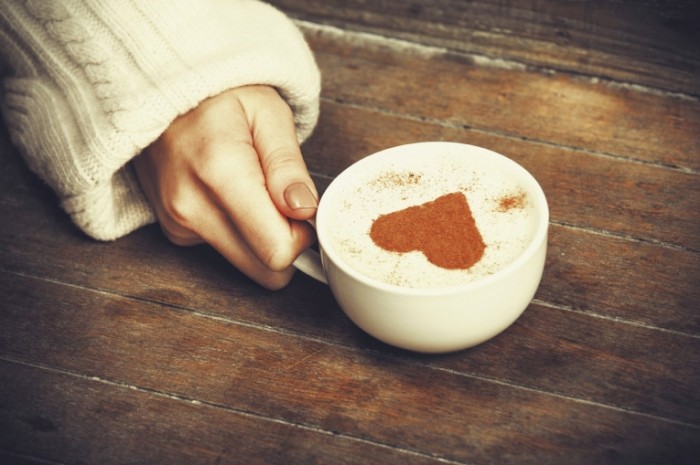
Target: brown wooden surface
(649, 42)
(138, 351)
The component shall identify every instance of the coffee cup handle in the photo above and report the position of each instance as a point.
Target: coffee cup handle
(309, 262)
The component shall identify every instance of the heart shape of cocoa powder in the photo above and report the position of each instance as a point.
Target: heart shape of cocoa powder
(443, 229)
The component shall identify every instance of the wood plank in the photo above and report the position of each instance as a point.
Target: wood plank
(70, 418)
(649, 43)
(618, 278)
(366, 395)
(648, 203)
(554, 108)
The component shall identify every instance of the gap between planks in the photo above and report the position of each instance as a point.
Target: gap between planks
(625, 237)
(612, 319)
(507, 135)
(29, 458)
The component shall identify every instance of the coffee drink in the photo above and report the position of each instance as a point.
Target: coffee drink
(430, 221)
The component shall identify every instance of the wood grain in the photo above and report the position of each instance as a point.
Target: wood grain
(554, 108)
(319, 386)
(70, 418)
(650, 43)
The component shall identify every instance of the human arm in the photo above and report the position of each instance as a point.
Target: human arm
(87, 85)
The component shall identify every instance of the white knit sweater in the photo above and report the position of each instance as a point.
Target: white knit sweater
(87, 84)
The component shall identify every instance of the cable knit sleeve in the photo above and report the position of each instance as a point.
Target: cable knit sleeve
(87, 84)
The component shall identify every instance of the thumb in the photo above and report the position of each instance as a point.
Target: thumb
(289, 183)
(302, 201)
(275, 139)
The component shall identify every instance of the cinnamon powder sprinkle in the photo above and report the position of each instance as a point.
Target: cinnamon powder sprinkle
(391, 179)
(444, 230)
(511, 201)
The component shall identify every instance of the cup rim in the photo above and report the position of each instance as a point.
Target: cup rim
(533, 246)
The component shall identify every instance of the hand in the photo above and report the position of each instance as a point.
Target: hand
(230, 173)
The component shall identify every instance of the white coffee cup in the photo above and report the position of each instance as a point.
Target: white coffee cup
(439, 318)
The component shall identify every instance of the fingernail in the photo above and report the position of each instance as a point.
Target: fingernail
(298, 196)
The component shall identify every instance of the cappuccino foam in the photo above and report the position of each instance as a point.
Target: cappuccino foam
(501, 207)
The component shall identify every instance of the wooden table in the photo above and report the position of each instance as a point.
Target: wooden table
(141, 352)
